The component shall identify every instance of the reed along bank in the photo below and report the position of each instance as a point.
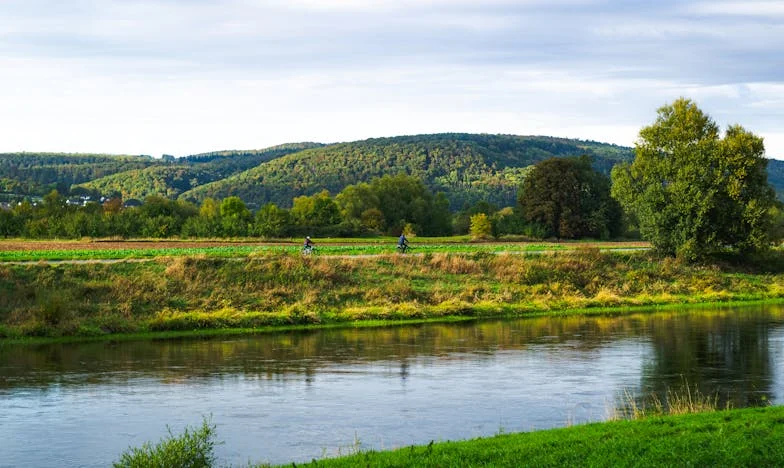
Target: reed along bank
(201, 293)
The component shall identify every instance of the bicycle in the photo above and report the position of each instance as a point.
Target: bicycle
(308, 250)
(403, 248)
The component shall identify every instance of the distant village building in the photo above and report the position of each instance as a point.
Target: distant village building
(79, 201)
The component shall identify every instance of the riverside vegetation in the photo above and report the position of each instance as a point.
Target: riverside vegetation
(748, 437)
(198, 293)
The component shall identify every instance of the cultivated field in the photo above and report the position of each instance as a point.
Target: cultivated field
(28, 250)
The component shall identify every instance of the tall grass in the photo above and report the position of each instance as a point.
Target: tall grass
(192, 449)
(685, 399)
(197, 292)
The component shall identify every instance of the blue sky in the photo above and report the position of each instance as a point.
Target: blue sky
(180, 77)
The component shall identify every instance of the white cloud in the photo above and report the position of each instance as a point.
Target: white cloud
(175, 76)
(750, 8)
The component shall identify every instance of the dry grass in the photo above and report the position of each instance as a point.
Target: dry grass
(685, 399)
(455, 264)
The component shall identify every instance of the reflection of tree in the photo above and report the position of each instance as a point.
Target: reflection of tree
(715, 350)
(722, 353)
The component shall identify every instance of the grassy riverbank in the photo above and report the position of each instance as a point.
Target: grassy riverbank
(749, 437)
(201, 293)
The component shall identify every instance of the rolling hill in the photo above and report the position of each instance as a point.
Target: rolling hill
(39, 173)
(171, 178)
(467, 167)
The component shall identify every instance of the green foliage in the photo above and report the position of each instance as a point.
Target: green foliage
(235, 217)
(160, 217)
(405, 199)
(10, 225)
(693, 192)
(39, 173)
(192, 449)
(570, 199)
(388, 203)
(315, 212)
(776, 231)
(172, 177)
(748, 437)
(271, 221)
(480, 226)
(164, 181)
(467, 168)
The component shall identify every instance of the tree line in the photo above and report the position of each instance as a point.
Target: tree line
(468, 168)
(690, 191)
(386, 205)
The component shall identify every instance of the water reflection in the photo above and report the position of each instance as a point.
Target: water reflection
(727, 354)
(293, 396)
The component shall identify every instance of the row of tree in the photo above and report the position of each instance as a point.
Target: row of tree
(689, 191)
(386, 205)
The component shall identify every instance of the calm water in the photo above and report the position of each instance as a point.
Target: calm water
(295, 396)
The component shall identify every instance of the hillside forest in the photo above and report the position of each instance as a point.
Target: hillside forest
(431, 185)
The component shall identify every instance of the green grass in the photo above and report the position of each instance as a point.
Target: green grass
(749, 437)
(182, 294)
(743, 438)
(325, 247)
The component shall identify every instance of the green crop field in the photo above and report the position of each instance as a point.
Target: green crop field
(331, 247)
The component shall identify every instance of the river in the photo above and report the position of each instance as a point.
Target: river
(300, 395)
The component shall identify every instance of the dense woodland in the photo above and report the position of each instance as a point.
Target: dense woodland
(488, 185)
(36, 174)
(467, 168)
(386, 205)
(31, 174)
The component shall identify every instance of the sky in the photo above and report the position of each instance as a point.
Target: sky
(188, 76)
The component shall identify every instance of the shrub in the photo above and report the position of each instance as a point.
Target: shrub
(192, 449)
(480, 227)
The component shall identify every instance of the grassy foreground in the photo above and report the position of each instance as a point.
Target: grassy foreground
(748, 437)
(201, 293)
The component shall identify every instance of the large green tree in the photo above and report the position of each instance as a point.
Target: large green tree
(235, 217)
(570, 199)
(316, 211)
(271, 221)
(405, 199)
(692, 191)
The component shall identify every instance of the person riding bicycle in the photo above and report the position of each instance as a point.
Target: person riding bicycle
(402, 243)
(308, 247)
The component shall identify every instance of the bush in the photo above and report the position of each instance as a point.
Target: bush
(192, 449)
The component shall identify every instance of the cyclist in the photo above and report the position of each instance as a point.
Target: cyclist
(402, 243)
(308, 247)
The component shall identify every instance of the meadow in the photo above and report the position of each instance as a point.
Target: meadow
(20, 251)
(274, 289)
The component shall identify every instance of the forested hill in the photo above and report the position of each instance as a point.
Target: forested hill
(39, 173)
(467, 167)
(171, 178)
(233, 161)
(776, 177)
